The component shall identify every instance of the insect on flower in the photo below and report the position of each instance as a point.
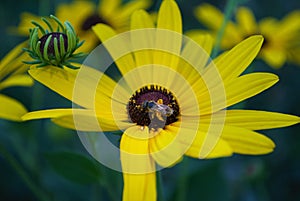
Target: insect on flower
(158, 109)
(55, 46)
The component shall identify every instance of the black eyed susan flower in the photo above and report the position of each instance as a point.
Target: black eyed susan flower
(171, 100)
(55, 46)
(83, 14)
(281, 37)
(12, 73)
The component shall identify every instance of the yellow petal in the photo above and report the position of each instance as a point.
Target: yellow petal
(236, 91)
(118, 47)
(208, 146)
(274, 57)
(246, 20)
(169, 145)
(57, 79)
(107, 7)
(11, 109)
(248, 85)
(16, 80)
(81, 89)
(244, 141)
(80, 119)
(15, 52)
(51, 113)
(268, 25)
(289, 26)
(25, 23)
(235, 61)
(142, 41)
(139, 187)
(196, 51)
(169, 16)
(12, 63)
(202, 139)
(134, 147)
(127, 9)
(209, 15)
(253, 119)
(168, 37)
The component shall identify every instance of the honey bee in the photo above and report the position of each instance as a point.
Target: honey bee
(157, 109)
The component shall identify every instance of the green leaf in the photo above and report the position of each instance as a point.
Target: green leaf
(74, 167)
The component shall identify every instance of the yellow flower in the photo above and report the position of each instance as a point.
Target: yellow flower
(281, 36)
(12, 74)
(170, 101)
(83, 14)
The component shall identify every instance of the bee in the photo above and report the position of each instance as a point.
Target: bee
(157, 109)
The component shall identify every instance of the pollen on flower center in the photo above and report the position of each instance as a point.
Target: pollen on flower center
(91, 21)
(49, 38)
(153, 106)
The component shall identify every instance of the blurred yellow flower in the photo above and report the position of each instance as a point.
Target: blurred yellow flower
(12, 73)
(83, 14)
(282, 37)
(171, 101)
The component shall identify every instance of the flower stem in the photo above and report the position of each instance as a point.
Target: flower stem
(230, 6)
(22, 173)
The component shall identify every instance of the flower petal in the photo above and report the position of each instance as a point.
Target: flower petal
(169, 16)
(274, 57)
(16, 80)
(139, 187)
(107, 7)
(196, 51)
(218, 149)
(169, 145)
(238, 90)
(118, 47)
(249, 85)
(79, 119)
(209, 15)
(127, 9)
(253, 119)
(246, 21)
(138, 167)
(236, 60)
(169, 23)
(142, 40)
(134, 147)
(11, 109)
(244, 141)
(12, 63)
(81, 87)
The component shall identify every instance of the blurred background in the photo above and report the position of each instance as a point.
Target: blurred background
(41, 161)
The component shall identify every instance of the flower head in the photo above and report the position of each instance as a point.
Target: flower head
(53, 47)
(12, 73)
(281, 36)
(83, 14)
(170, 101)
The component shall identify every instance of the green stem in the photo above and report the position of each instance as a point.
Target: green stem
(22, 173)
(160, 193)
(230, 6)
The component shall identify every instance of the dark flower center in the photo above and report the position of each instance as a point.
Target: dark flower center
(50, 47)
(153, 106)
(91, 21)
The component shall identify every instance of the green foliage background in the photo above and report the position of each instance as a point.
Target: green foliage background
(41, 161)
